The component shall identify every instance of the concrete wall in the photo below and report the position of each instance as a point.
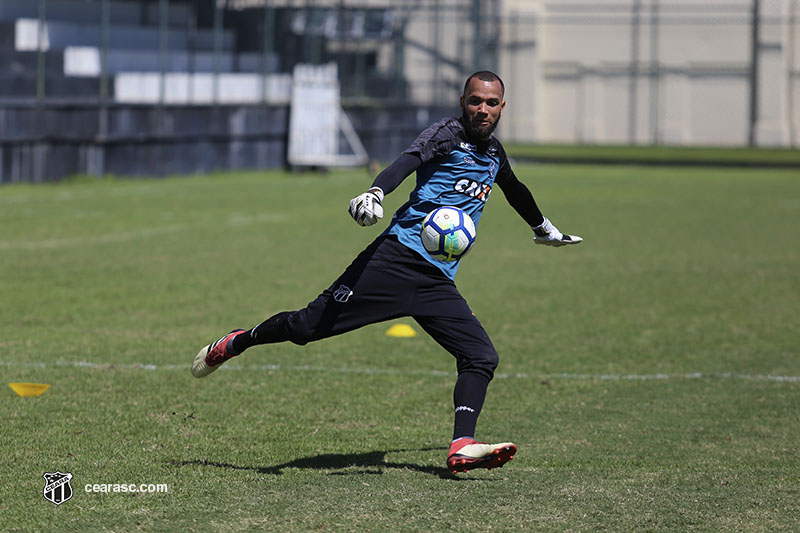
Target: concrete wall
(627, 71)
(654, 72)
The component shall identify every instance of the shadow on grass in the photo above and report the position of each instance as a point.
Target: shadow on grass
(367, 463)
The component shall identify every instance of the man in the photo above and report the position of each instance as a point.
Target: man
(457, 162)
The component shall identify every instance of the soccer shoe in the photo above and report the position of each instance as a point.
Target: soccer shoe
(466, 454)
(212, 356)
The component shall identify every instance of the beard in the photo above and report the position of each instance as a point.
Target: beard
(477, 131)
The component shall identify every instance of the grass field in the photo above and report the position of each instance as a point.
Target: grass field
(667, 155)
(650, 376)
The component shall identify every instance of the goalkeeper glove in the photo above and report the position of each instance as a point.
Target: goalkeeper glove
(366, 208)
(547, 233)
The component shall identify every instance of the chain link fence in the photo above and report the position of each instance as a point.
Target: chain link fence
(124, 86)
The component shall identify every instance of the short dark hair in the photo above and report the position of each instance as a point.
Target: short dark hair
(485, 75)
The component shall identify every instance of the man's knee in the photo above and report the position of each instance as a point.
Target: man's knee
(483, 362)
(299, 330)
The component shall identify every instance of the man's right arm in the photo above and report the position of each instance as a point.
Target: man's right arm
(436, 139)
(366, 208)
(393, 175)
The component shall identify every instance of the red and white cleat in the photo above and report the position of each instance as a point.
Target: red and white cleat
(467, 454)
(212, 356)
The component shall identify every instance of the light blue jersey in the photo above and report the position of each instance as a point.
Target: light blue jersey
(455, 171)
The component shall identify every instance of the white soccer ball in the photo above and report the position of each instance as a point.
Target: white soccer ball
(448, 233)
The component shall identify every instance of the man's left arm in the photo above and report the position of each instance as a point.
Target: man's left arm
(519, 196)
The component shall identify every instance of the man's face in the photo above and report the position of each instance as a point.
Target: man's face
(481, 106)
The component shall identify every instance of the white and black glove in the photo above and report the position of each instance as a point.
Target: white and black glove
(547, 233)
(366, 208)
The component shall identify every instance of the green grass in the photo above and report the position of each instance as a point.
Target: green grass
(650, 376)
(665, 155)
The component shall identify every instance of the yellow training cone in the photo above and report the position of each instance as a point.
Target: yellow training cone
(401, 330)
(29, 389)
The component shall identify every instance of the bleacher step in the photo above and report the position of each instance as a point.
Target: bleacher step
(120, 13)
(59, 35)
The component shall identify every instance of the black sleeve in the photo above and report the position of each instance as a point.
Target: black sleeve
(436, 140)
(518, 195)
(394, 174)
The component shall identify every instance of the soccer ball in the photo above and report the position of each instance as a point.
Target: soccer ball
(448, 233)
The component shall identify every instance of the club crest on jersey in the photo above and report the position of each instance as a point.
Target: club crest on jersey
(473, 188)
(492, 169)
(342, 294)
(468, 147)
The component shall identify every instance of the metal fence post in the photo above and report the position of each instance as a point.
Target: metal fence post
(217, 49)
(191, 51)
(40, 57)
(37, 152)
(789, 37)
(477, 39)
(269, 35)
(314, 41)
(633, 80)
(105, 20)
(99, 148)
(754, 44)
(163, 14)
(655, 74)
(360, 66)
(399, 61)
(436, 46)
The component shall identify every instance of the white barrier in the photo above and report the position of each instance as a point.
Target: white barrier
(316, 118)
(201, 88)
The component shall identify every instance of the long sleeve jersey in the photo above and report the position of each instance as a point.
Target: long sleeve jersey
(452, 170)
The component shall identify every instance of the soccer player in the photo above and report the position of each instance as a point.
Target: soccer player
(457, 162)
